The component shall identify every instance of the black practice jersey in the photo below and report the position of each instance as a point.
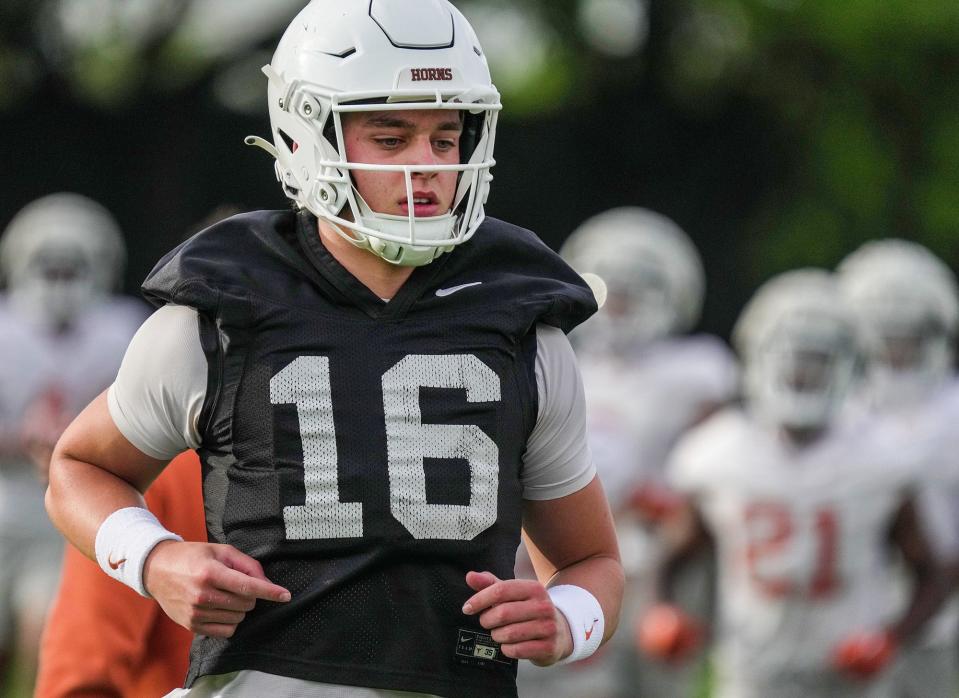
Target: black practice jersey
(368, 454)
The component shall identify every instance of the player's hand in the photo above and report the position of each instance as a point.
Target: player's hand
(205, 587)
(665, 632)
(864, 654)
(520, 616)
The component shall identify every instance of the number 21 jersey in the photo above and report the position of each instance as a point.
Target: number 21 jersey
(801, 535)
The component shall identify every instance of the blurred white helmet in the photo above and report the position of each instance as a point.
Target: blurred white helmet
(58, 255)
(799, 348)
(652, 272)
(342, 56)
(907, 303)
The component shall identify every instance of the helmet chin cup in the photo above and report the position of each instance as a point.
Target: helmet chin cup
(402, 253)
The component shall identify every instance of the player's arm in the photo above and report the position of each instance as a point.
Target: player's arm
(574, 604)
(98, 474)
(865, 653)
(687, 538)
(572, 541)
(94, 472)
(569, 531)
(664, 631)
(120, 658)
(930, 583)
(949, 552)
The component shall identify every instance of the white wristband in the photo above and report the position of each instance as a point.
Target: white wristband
(584, 616)
(124, 540)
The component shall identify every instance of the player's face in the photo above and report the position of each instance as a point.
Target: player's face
(807, 371)
(900, 352)
(414, 137)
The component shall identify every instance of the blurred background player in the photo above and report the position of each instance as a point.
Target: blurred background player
(801, 507)
(62, 336)
(136, 650)
(905, 299)
(646, 382)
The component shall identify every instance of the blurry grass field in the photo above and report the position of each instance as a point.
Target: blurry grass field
(18, 685)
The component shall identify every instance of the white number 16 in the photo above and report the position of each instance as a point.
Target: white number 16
(305, 382)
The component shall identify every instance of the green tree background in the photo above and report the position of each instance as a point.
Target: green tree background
(779, 133)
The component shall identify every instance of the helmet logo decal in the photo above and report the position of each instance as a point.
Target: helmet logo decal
(420, 74)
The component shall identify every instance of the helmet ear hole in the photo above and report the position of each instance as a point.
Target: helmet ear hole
(469, 138)
(329, 133)
(290, 144)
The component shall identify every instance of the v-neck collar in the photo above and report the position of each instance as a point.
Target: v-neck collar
(351, 288)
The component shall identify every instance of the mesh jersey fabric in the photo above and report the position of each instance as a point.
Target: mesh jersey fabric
(367, 454)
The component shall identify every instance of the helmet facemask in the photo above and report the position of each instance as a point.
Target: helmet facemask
(59, 255)
(907, 304)
(638, 311)
(908, 359)
(801, 350)
(652, 273)
(409, 240)
(56, 285)
(800, 381)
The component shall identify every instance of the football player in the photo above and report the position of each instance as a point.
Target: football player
(381, 392)
(906, 301)
(647, 380)
(62, 336)
(801, 508)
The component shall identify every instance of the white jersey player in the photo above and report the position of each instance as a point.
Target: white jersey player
(63, 338)
(646, 382)
(801, 509)
(908, 305)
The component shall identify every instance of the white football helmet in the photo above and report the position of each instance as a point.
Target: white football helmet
(340, 56)
(799, 348)
(58, 255)
(652, 271)
(908, 304)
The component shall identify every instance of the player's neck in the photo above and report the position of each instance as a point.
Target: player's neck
(378, 275)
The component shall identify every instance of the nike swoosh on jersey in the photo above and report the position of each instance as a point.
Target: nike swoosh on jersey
(115, 565)
(443, 292)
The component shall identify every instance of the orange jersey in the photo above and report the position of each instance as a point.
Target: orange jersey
(102, 638)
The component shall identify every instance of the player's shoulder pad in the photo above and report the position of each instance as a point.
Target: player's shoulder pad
(514, 263)
(234, 256)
